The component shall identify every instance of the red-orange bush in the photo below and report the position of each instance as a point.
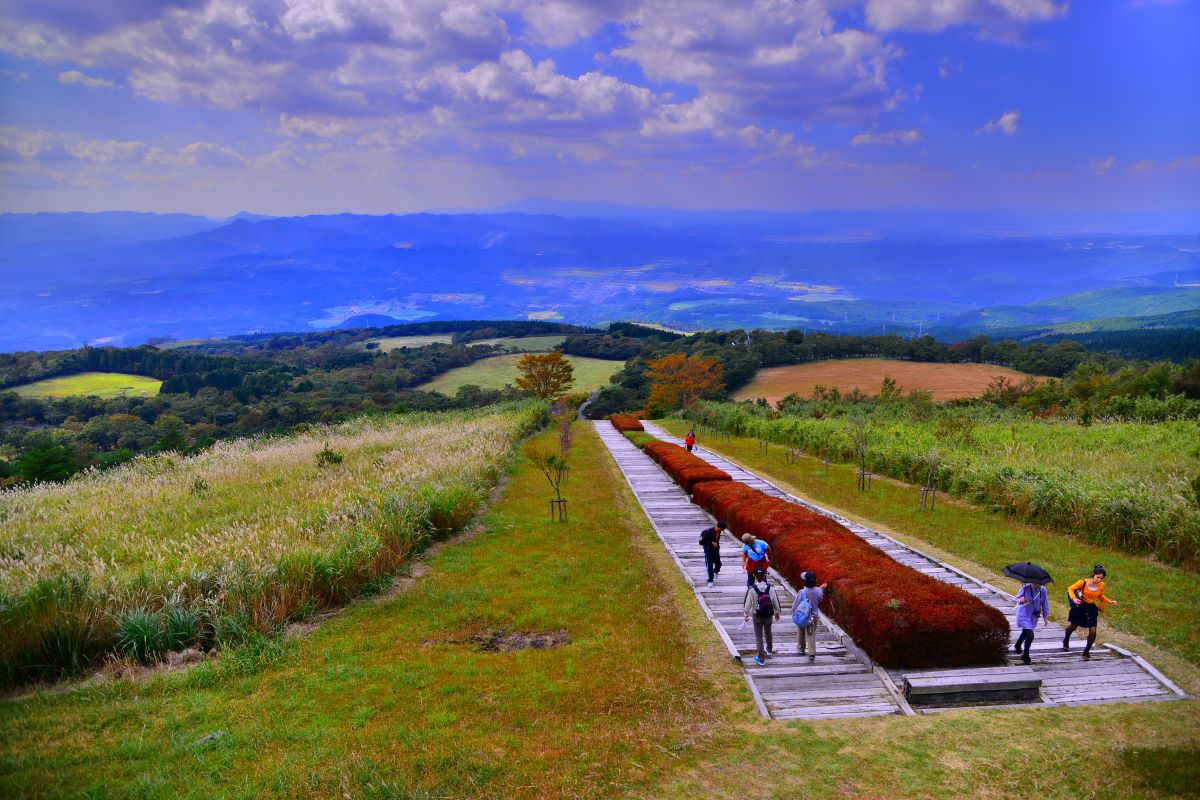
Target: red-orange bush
(625, 422)
(684, 468)
(899, 616)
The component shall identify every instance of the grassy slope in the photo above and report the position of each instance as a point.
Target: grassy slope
(496, 372)
(1159, 603)
(100, 384)
(364, 710)
(944, 381)
(388, 700)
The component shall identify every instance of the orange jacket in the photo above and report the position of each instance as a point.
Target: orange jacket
(1089, 596)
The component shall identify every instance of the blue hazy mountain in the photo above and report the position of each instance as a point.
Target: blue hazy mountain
(122, 278)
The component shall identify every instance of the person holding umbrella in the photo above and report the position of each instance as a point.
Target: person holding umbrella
(1086, 597)
(1032, 602)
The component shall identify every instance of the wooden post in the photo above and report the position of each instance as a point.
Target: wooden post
(928, 493)
(762, 445)
(561, 507)
(864, 481)
(827, 466)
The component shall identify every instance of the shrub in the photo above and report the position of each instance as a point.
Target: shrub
(140, 635)
(182, 626)
(640, 438)
(329, 457)
(625, 422)
(684, 468)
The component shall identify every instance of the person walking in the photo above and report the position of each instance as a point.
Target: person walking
(689, 441)
(1087, 598)
(1032, 602)
(762, 603)
(710, 540)
(754, 556)
(805, 616)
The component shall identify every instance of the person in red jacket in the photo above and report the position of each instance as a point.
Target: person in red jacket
(689, 441)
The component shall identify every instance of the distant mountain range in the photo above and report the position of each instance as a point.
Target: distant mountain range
(123, 277)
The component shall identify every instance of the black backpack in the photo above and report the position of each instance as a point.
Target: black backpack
(764, 607)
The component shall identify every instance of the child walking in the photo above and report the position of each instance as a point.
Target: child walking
(1032, 602)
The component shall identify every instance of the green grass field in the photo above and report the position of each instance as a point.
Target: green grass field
(390, 343)
(391, 699)
(497, 372)
(98, 384)
(526, 344)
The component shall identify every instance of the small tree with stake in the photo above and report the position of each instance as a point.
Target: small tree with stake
(928, 491)
(861, 437)
(553, 465)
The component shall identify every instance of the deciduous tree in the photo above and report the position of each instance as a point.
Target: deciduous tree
(678, 380)
(547, 375)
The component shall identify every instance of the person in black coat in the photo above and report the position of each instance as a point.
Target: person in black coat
(710, 540)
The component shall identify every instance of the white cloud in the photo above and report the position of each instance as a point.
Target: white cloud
(930, 16)
(74, 76)
(911, 136)
(1007, 123)
(1101, 166)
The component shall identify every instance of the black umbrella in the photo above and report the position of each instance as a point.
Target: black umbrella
(1026, 572)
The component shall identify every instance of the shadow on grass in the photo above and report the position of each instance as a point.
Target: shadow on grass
(1174, 772)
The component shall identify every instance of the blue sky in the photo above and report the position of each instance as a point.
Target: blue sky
(314, 106)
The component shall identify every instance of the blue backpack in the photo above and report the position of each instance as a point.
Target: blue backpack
(804, 613)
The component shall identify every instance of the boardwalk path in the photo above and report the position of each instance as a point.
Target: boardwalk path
(842, 681)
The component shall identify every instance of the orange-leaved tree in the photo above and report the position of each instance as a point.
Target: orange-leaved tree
(547, 376)
(676, 381)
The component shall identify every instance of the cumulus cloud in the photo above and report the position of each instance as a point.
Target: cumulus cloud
(47, 146)
(911, 136)
(929, 16)
(1007, 123)
(74, 76)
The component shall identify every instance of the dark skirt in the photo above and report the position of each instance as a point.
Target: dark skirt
(1084, 615)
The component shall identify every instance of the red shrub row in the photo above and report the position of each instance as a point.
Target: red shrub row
(684, 468)
(625, 422)
(899, 616)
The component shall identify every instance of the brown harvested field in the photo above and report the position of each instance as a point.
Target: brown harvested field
(944, 381)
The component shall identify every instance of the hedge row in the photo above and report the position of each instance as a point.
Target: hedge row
(687, 470)
(899, 616)
(625, 422)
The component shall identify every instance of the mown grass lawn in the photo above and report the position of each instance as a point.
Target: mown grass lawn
(96, 384)
(388, 701)
(499, 371)
(1159, 604)
(526, 344)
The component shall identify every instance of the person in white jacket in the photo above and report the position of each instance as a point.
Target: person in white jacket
(762, 603)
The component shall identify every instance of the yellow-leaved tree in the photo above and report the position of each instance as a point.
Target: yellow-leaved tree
(548, 375)
(677, 381)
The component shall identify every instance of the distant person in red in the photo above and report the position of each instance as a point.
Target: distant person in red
(689, 441)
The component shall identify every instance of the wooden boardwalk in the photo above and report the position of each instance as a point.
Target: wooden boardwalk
(843, 681)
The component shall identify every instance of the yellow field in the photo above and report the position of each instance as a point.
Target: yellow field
(943, 381)
(94, 384)
(499, 371)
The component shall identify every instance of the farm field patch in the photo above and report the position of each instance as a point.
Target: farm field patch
(943, 381)
(526, 344)
(499, 371)
(85, 384)
(1119, 484)
(389, 343)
